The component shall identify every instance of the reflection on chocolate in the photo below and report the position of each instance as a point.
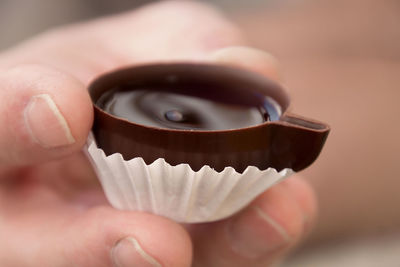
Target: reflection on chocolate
(161, 108)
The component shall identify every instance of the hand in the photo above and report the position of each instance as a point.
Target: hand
(52, 209)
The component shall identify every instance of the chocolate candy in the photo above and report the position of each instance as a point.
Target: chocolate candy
(201, 114)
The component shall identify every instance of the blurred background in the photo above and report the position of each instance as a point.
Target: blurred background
(341, 62)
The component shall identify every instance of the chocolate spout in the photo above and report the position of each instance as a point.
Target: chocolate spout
(296, 141)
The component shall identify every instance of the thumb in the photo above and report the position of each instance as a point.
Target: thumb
(123, 238)
(44, 114)
(100, 236)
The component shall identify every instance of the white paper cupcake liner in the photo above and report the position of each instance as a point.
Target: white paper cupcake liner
(178, 192)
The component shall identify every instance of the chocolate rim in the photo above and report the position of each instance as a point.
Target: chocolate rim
(292, 142)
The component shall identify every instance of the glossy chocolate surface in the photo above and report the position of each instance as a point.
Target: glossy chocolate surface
(166, 123)
(175, 107)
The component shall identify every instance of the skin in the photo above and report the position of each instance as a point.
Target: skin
(52, 209)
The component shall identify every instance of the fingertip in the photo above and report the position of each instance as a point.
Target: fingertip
(168, 241)
(75, 103)
(270, 225)
(305, 197)
(279, 205)
(48, 114)
(248, 58)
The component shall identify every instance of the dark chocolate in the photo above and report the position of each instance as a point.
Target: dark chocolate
(159, 107)
(202, 115)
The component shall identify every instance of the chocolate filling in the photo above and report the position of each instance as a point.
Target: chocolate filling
(169, 108)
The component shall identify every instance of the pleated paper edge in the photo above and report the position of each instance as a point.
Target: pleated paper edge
(92, 149)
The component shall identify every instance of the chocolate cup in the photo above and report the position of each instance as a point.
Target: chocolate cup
(291, 142)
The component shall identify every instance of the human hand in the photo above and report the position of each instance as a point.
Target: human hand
(52, 209)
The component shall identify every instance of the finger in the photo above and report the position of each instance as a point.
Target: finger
(248, 58)
(44, 114)
(305, 197)
(215, 31)
(101, 237)
(128, 239)
(258, 236)
(158, 29)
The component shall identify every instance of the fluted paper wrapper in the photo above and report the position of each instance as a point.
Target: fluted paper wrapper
(178, 192)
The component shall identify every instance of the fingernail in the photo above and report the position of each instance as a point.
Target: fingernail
(256, 234)
(249, 58)
(128, 252)
(45, 123)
